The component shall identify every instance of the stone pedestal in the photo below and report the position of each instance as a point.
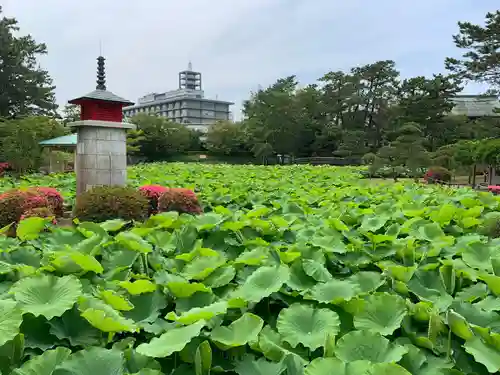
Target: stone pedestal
(101, 154)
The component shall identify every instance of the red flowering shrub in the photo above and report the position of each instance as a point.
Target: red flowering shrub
(43, 212)
(153, 193)
(495, 189)
(180, 200)
(437, 175)
(14, 203)
(4, 167)
(55, 199)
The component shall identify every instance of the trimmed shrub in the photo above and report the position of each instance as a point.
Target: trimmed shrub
(43, 212)
(437, 175)
(180, 200)
(111, 202)
(153, 193)
(55, 199)
(4, 167)
(369, 158)
(14, 203)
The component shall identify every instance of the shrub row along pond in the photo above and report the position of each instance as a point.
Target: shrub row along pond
(99, 204)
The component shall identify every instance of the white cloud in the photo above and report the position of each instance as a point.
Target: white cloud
(236, 44)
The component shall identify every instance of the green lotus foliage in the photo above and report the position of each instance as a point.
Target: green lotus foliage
(291, 271)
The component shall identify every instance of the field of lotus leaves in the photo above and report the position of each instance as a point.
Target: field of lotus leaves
(291, 271)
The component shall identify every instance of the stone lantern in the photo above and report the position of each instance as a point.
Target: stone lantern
(101, 151)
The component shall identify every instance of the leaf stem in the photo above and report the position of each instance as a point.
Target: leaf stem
(144, 258)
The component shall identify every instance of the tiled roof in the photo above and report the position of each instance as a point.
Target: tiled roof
(104, 95)
(65, 140)
(476, 106)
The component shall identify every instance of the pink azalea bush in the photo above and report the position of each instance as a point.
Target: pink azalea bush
(153, 193)
(55, 199)
(14, 203)
(180, 200)
(4, 167)
(437, 175)
(18, 203)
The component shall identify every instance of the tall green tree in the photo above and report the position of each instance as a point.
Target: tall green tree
(427, 102)
(359, 103)
(70, 113)
(271, 116)
(134, 139)
(481, 44)
(343, 129)
(315, 135)
(225, 138)
(25, 88)
(485, 127)
(488, 153)
(157, 138)
(466, 156)
(20, 139)
(377, 86)
(195, 140)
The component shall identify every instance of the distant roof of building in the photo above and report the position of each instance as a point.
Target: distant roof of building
(65, 140)
(103, 95)
(176, 99)
(476, 105)
(178, 93)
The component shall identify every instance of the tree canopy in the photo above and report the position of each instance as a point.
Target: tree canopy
(19, 140)
(348, 114)
(157, 138)
(26, 88)
(226, 138)
(70, 113)
(481, 45)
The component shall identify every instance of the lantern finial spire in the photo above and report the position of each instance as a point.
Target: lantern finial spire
(101, 74)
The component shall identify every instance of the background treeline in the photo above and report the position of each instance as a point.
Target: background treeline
(368, 113)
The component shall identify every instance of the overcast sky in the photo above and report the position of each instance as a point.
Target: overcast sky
(236, 44)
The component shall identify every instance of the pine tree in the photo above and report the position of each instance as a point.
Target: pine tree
(25, 88)
(481, 61)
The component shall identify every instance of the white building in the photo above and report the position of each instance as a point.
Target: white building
(186, 105)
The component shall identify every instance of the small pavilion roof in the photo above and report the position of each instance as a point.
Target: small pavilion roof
(65, 140)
